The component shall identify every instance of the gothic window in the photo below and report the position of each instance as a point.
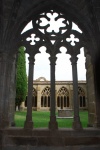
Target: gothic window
(34, 100)
(44, 33)
(63, 98)
(82, 99)
(45, 98)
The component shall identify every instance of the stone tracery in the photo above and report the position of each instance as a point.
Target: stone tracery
(44, 33)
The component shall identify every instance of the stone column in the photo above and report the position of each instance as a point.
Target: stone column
(53, 123)
(76, 124)
(12, 93)
(90, 92)
(29, 122)
(6, 64)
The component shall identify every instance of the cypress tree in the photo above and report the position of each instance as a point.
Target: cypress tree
(21, 78)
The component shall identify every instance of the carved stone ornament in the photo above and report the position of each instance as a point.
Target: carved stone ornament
(53, 30)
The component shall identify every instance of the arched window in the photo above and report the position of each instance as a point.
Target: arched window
(45, 98)
(63, 98)
(82, 99)
(34, 100)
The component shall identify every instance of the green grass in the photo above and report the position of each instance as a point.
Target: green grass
(41, 119)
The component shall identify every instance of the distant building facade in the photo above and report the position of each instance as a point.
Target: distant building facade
(64, 95)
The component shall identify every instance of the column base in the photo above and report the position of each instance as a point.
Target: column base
(77, 125)
(53, 125)
(28, 125)
(13, 124)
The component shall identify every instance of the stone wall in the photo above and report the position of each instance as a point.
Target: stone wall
(41, 85)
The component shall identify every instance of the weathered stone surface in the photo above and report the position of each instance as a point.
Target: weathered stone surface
(68, 113)
(14, 15)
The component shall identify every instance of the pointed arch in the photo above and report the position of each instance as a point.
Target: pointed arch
(45, 97)
(82, 97)
(34, 99)
(63, 97)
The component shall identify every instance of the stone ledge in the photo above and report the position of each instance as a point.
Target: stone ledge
(46, 137)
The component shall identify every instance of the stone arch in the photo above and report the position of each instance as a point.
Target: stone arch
(78, 18)
(63, 98)
(72, 12)
(48, 44)
(41, 79)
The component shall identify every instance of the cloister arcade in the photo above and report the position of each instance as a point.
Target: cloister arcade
(44, 15)
(64, 95)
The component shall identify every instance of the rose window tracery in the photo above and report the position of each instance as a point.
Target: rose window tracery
(52, 29)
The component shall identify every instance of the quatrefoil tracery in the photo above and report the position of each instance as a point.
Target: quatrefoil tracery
(53, 30)
(33, 39)
(53, 23)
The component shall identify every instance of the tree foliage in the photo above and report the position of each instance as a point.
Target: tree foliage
(21, 78)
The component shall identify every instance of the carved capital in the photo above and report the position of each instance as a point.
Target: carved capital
(31, 59)
(74, 59)
(53, 59)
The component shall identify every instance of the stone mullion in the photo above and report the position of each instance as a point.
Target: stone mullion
(29, 122)
(43, 100)
(38, 99)
(60, 101)
(56, 99)
(76, 124)
(53, 123)
(47, 100)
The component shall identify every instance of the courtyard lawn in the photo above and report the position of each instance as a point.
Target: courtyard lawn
(41, 119)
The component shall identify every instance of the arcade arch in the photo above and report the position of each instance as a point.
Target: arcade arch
(21, 40)
(45, 97)
(63, 98)
(82, 97)
(44, 33)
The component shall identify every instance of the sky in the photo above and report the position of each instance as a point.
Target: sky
(63, 64)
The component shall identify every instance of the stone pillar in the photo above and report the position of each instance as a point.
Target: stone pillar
(38, 98)
(12, 93)
(90, 92)
(53, 123)
(29, 122)
(6, 65)
(76, 124)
